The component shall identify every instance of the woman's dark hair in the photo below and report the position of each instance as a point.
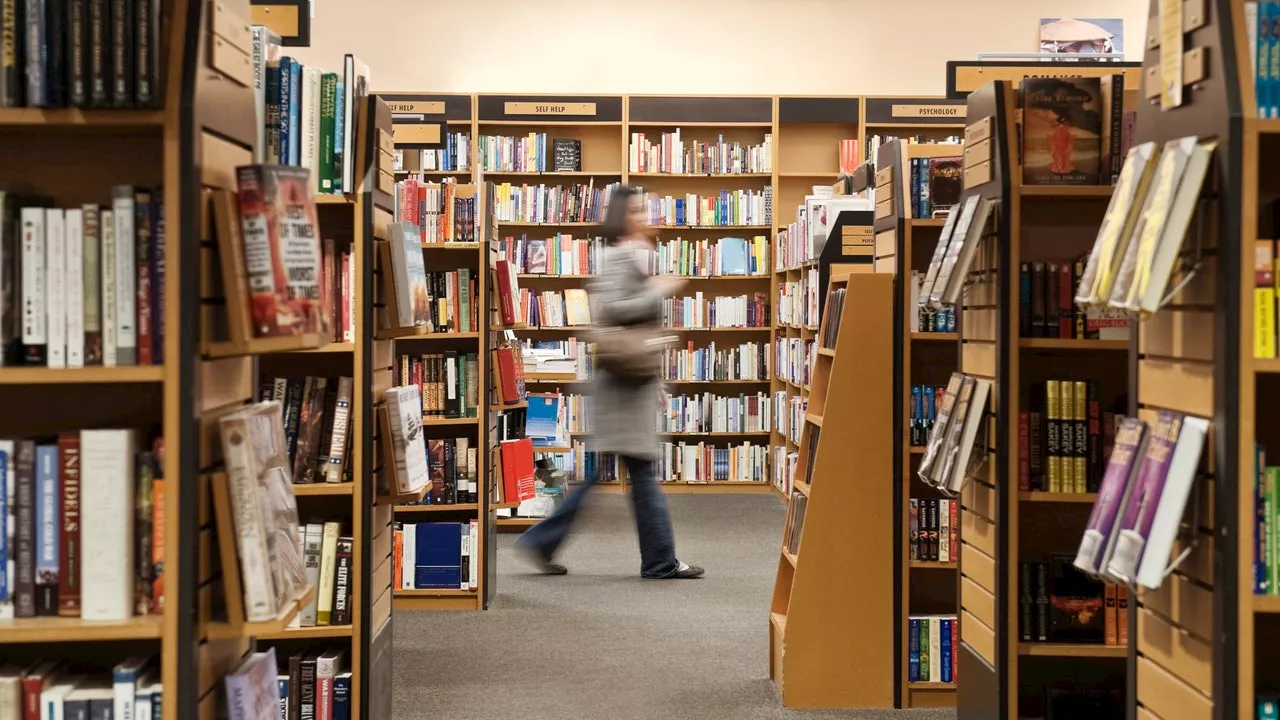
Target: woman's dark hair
(615, 214)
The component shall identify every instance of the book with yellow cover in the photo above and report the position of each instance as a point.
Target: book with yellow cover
(1264, 299)
(1117, 225)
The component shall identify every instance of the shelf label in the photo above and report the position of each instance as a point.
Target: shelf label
(418, 134)
(857, 235)
(549, 108)
(928, 111)
(416, 107)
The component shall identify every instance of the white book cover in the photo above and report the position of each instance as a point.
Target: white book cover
(404, 408)
(8, 522)
(107, 459)
(1173, 502)
(944, 531)
(311, 546)
(53, 696)
(474, 572)
(126, 270)
(55, 261)
(973, 420)
(107, 264)
(328, 665)
(935, 649)
(310, 126)
(74, 222)
(409, 554)
(35, 318)
(251, 690)
(124, 679)
(243, 479)
(142, 696)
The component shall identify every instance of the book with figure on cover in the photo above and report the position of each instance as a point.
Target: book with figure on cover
(1135, 523)
(1100, 533)
(1061, 131)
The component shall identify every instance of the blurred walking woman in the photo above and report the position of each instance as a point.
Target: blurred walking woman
(623, 296)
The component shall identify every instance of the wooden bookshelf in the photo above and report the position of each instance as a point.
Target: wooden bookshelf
(830, 641)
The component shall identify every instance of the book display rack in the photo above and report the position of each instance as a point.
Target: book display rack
(829, 640)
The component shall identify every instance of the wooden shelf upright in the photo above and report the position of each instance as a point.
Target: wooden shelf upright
(830, 640)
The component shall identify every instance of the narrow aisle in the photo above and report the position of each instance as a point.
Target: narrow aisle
(602, 644)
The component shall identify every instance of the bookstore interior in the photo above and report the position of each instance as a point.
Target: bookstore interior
(1004, 317)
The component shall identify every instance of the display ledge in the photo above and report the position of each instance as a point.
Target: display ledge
(547, 276)
(928, 222)
(436, 600)
(1066, 191)
(566, 223)
(316, 632)
(932, 686)
(822, 174)
(428, 420)
(583, 328)
(1261, 366)
(1051, 497)
(634, 173)
(790, 557)
(711, 227)
(1266, 603)
(472, 246)
(935, 336)
(60, 629)
(1045, 649)
(437, 336)
(553, 173)
(81, 376)
(228, 631)
(324, 488)
(75, 118)
(1072, 344)
(330, 199)
(459, 507)
(434, 173)
(933, 565)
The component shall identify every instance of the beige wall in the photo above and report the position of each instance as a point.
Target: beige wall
(848, 47)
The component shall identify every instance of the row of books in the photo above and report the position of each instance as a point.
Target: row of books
(454, 471)
(316, 416)
(848, 152)
(798, 300)
(582, 463)
(784, 468)
(59, 689)
(1046, 309)
(529, 153)
(1138, 513)
(308, 116)
(929, 318)
(873, 142)
(793, 360)
(719, 312)
(935, 185)
(310, 684)
(834, 311)
(925, 401)
(455, 156)
(1059, 603)
(710, 412)
(811, 434)
(746, 361)
(554, 308)
(729, 207)
(957, 443)
(440, 301)
(1065, 437)
(443, 212)
(1262, 20)
(795, 521)
(932, 641)
(84, 55)
(1266, 528)
(1140, 243)
(551, 204)
(722, 257)
(329, 556)
(562, 254)
(670, 155)
(1073, 130)
(437, 555)
(449, 382)
(702, 463)
(791, 423)
(934, 530)
(82, 286)
(70, 548)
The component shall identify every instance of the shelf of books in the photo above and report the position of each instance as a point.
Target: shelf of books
(921, 181)
(435, 263)
(828, 638)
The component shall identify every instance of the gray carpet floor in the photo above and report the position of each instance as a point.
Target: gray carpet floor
(602, 644)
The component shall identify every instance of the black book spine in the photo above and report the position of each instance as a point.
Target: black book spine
(307, 695)
(1051, 286)
(11, 33)
(25, 532)
(1025, 591)
(292, 414)
(36, 50)
(451, 471)
(122, 49)
(295, 687)
(342, 583)
(77, 53)
(1042, 602)
(55, 78)
(1037, 300)
(99, 59)
(1116, 151)
(144, 61)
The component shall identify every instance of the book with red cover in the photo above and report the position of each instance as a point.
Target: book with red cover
(435, 462)
(281, 249)
(517, 470)
(510, 374)
(953, 537)
(508, 288)
(69, 578)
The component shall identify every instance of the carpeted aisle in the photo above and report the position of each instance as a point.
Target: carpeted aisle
(602, 644)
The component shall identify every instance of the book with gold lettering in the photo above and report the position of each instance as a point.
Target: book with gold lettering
(1117, 225)
(1061, 131)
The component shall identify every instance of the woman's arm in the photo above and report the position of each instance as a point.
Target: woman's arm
(624, 295)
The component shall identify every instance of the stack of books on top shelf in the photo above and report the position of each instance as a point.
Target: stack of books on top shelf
(702, 463)
(729, 207)
(1060, 604)
(934, 530)
(82, 286)
(92, 550)
(552, 204)
(328, 554)
(698, 312)
(935, 185)
(78, 55)
(1139, 510)
(747, 361)
(455, 156)
(671, 155)
(957, 444)
(449, 382)
(307, 116)
(316, 416)
(1066, 436)
(1075, 131)
(931, 648)
(56, 688)
(437, 555)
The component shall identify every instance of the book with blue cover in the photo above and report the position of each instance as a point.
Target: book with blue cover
(733, 256)
(438, 555)
(542, 420)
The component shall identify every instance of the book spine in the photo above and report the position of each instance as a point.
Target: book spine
(1038, 299)
(1026, 623)
(142, 234)
(1116, 152)
(328, 106)
(106, 531)
(100, 59)
(342, 696)
(48, 524)
(1042, 602)
(157, 540)
(286, 107)
(1080, 434)
(69, 580)
(1052, 436)
(307, 699)
(35, 323)
(77, 53)
(122, 49)
(1264, 299)
(55, 53)
(341, 614)
(157, 276)
(73, 222)
(12, 81)
(146, 36)
(913, 651)
(1122, 616)
(37, 49)
(24, 552)
(126, 270)
(143, 532)
(56, 288)
(1024, 452)
(107, 266)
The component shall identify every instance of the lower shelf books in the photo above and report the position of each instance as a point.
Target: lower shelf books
(784, 469)
(793, 360)
(935, 320)
(317, 425)
(311, 684)
(835, 307)
(1060, 604)
(704, 463)
(438, 555)
(931, 643)
(712, 413)
(934, 530)
(795, 521)
(328, 555)
(935, 185)
(1066, 436)
(454, 468)
(55, 688)
(450, 382)
(1048, 309)
(925, 401)
(582, 464)
(93, 550)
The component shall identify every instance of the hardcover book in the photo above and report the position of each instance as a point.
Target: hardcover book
(413, 302)
(1061, 131)
(281, 249)
(946, 180)
(939, 254)
(1100, 532)
(933, 451)
(1173, 501)
(404, 409)
(1123, 211)
(1076, 604)
(1135, 523)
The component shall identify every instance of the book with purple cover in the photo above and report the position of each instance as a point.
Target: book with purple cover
(1167, 517)
(1100, 533)
(1141, 508)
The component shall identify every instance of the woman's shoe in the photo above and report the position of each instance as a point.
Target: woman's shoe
(684, 572)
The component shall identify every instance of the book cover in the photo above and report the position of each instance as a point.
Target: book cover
(413, 301)
(1264, 299)
(1167, 519)
(1102, 526)
(1140, 511)
(404, 408)
(69, 505)
(1061, 131)
(945, 181)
